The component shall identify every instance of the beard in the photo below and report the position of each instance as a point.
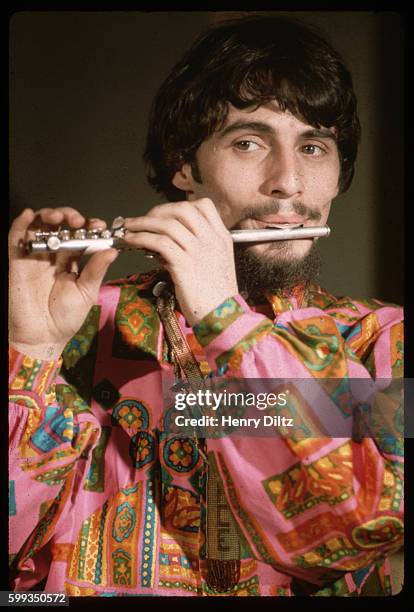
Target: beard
(258, 274)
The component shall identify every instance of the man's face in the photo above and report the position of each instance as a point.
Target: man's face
(266, 168)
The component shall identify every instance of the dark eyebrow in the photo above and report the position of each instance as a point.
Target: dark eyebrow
(264, 128)
(319, 133)
(255, 126)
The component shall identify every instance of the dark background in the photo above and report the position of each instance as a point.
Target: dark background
(80, 89)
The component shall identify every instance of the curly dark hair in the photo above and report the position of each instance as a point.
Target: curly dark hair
(247, 62)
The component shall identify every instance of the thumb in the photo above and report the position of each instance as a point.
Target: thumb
(94, 271)
(18, 229)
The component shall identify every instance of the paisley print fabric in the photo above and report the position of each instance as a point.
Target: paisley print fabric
(103, 503)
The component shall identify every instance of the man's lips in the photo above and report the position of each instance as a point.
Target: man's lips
(278, 221)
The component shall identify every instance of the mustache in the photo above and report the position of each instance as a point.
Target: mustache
(274, 208)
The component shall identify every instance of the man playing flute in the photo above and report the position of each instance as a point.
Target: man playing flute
(256, 127)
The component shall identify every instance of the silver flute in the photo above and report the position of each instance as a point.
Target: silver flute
(91, 241)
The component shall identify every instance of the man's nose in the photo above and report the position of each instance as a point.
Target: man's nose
(283, 174)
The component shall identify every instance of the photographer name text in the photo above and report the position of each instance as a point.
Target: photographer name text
(265, 420)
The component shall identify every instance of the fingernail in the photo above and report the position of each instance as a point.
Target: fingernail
(118, 222)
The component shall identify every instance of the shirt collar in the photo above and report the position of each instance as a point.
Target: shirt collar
(302, 295)
(288, 299)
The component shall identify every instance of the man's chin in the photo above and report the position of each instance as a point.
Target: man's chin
(282, 251)
(275, 266)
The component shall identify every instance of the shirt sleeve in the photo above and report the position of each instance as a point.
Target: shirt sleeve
(46, 442)
(314, 506)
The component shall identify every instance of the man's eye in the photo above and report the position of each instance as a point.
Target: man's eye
(312, 149)
(246, 145)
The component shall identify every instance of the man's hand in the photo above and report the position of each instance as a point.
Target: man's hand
(48, 301)
(195, 248)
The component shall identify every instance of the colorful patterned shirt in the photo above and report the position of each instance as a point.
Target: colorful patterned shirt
(101, 503)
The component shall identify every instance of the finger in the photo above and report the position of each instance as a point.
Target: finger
(65, 217)
(158, 243)
(18, 232)
(69, 260)
(161, 210)
(21, 223)
(208, 210)
(59, 215)
(73, 266)
(19, 236)
(184, 212)
(51, 219)
(95, 223)
(173, 228)
(171, 210)
(95, 269)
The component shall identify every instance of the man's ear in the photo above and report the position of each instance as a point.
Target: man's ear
(183, 179)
